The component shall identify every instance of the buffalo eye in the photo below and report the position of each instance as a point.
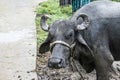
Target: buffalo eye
(69, 34)
(51, 32)
(51, 36)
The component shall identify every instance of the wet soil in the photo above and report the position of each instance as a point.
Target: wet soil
(45, 73)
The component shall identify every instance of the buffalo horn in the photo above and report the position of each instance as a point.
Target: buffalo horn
(43, 24)
(85, 23)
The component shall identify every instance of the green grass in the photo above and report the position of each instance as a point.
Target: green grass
(116, 0)
(52, 8)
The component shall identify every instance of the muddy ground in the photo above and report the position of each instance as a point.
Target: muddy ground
(45, 73)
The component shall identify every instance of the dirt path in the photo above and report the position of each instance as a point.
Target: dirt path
(18, 40)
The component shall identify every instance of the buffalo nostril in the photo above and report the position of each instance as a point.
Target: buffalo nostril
(49, 64)
(60, 61)
(55, 63)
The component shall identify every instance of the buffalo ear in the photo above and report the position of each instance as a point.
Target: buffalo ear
(45, 46)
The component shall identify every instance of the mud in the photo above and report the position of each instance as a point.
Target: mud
(45, 73)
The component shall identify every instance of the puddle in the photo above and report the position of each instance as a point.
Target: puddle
(13, 36)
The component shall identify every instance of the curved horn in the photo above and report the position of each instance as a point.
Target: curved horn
(85, 23)
(43, 24)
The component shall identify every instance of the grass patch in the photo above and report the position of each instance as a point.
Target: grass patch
(56, 12)
(116, 0)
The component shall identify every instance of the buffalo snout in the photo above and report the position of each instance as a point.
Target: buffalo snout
(55, 63)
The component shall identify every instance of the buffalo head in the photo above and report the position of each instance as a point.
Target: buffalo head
(62, 39)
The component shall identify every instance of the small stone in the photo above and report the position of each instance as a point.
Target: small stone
(75, 76)
(33, 79)
(19, 76)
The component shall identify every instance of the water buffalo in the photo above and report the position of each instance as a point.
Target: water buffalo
(92, 35)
